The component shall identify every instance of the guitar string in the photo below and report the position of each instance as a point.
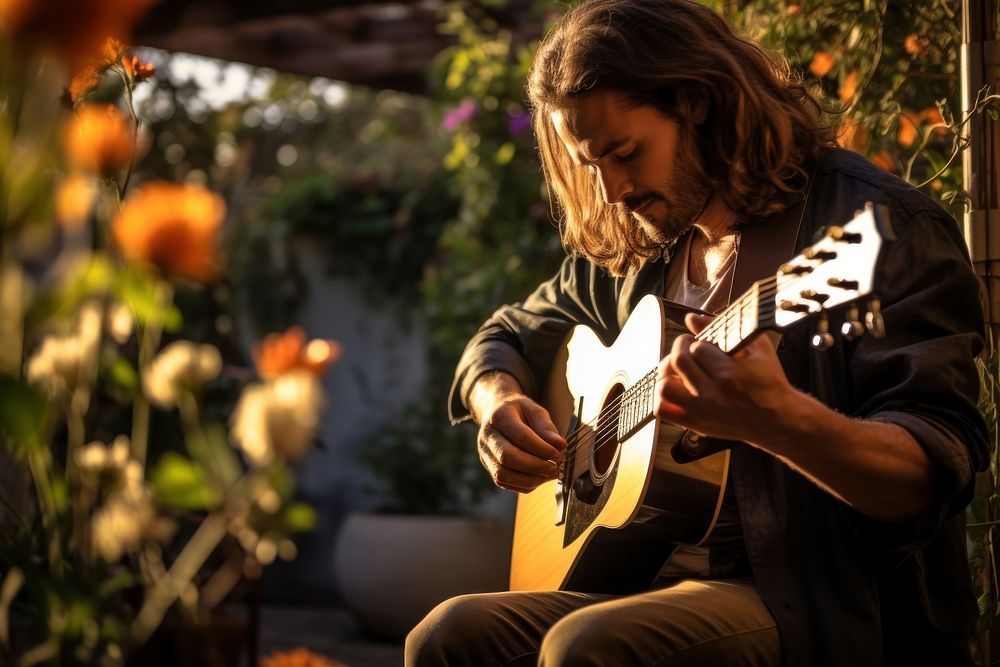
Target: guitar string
(709, 332)
(744, 303)
(768, 287)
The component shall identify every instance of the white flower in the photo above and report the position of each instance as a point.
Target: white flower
(57, 363)
(119, 526)
(279, 416)
(180, 364)
(128, 515)
(120, 323)
(95, 457)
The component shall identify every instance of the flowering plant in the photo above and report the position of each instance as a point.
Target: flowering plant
(113, 531)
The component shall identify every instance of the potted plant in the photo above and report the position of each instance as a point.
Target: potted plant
(428, 538)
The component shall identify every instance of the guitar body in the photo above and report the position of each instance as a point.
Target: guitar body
(627, 491)
(625, 499)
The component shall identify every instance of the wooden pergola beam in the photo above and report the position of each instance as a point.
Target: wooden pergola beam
(981, 161)
(373, 43)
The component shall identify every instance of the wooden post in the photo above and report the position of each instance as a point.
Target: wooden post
(981, 67)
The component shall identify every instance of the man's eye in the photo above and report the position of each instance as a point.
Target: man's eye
(627, 154)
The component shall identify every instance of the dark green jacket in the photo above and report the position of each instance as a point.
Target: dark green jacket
(843, 588)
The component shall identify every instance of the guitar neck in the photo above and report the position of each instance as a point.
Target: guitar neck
(749, 314)
(728, 331)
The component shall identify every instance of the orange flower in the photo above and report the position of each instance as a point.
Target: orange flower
(90, 76)
(917, 45)
(174, 227)
(137, 70)
(932, 116)
(884, 160)
(298, 657)
(278, 354)
(78, 29)
(910, 120)
(852, 136)
(794, 10)
(822, 63)
(98, 139)
(74, 201)
(907, 132)
(12, 14)
(849, 87)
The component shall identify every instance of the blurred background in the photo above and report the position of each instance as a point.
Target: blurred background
(243, 248)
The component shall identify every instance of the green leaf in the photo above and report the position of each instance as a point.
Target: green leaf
(180, 484)
(143, 294)
(60, 494)
(210, 448)
(299, 518)
(992, 113)
(123, 373)
(22, 415)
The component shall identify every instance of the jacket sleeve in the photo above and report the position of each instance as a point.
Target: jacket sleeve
(521, 338)
(923, 375)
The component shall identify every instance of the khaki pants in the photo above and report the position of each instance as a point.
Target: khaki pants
(707, 623)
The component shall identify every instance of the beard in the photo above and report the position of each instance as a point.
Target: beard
(665, 217)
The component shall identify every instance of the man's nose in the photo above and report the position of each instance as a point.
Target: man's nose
(615, 184)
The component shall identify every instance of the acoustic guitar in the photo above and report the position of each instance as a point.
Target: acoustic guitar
(631, 486)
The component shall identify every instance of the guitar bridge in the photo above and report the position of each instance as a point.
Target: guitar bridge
(562, 488)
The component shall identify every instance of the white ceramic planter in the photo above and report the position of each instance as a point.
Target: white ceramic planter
(392, 569)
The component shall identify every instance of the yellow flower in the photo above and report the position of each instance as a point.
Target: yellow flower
(174, 227)
(280, 353)
(97, 139)
(298, 657)
(822, 63)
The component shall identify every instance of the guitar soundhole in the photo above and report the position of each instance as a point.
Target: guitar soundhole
(606, 435)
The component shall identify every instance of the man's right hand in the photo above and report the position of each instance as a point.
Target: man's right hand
(518, 443)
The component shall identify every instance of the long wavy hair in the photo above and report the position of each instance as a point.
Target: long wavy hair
(763, 131)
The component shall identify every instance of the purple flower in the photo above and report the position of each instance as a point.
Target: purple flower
(518, 122)
(458, 115)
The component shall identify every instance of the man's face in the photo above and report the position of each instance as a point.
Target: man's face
(633, 153)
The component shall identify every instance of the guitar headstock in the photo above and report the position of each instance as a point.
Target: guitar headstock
(838, 269)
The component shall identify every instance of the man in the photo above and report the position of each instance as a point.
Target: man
(665, 140)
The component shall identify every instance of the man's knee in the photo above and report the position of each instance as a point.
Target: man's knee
(444, 636)
(587, 637)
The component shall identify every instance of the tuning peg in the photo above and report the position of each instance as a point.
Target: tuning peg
(795, 269)
(873, 318)
(852, 327)
(822, 255)
(841, 283)
(823, 339)
(838, 233)
(793, 307)
(813, 295)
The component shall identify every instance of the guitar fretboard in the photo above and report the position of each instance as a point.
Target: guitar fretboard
(727, 331)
